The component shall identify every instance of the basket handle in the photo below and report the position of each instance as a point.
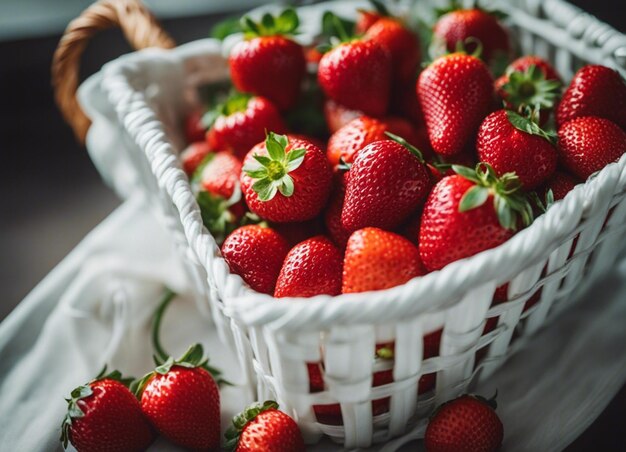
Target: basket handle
(140, 28)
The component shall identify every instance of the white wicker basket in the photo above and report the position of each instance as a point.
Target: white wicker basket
(275, 339)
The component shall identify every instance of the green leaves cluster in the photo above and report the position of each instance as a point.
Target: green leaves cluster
(530, 88)
(239, 422)
(286, 23)
(529, 124)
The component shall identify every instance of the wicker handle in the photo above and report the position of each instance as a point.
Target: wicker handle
(138, 25)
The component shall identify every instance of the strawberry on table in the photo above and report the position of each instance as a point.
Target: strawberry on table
(267, 63)
(285, 179)
(262, 427)
(103, 415)
(193, 155)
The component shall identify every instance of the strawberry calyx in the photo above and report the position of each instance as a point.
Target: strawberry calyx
(529, 123)
(412, 149)
(337, 31)
(462, 46)
(81, 392)
(242, 419)
(509, 201)
(542, 205)
(271, 173)
(285, 24)
(236, 102)
(530, 88)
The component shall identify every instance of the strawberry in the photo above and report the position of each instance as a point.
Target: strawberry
(194, 128)
(511, 143)
(594, 91)
(470, 212)
(560, 184)
(455, 94)
(299, 231)
(193, 155)
(264, 427)
(588, 144)
(312, 267)
(468, 423)
(377, 259)
(462, 24)
(256, 254)
(241, 122)
(103, 415)
(332, 216)
(337, 116)
(285, 179)
(182, 401)
(368, 17)
(220, 176)
(375, 199)
(266, 62)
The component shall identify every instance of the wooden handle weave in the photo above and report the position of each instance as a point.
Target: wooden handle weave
(140, 28)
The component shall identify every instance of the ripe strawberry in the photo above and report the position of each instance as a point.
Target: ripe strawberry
(455, 94)
(256, 254)
(377, 259)
(194, 128)
(332, 216)
(468, 423)
(104, 415)
(368, 17)
(560, 184)
(285, 179)
(357, 75)
(337, 116)
(459, 25)
(220, 176)
(511, 143)
(594, 91)
(264, 427)
(266, 62)
(468, 213)
(373, 198)
(241, 122)
(182, 401)
(193, 155)
(312, 267)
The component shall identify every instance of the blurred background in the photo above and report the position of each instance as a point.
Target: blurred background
(51, 194)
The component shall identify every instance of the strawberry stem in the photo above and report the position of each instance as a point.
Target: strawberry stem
(166, 299)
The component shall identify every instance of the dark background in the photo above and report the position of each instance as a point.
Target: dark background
(52, 195)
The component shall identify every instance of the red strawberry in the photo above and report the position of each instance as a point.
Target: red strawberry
(588, 144)
(373, 198)
(377, 259)
(368, 17)
(285, 179)
(401, 43)
(267, 63)
(511, 143)
(468, 213)
(194, 128)
(256, 254)
(262, 427)
(332, 216)
(104, 415)
(299, 231)
(468, 423)
(560, 184)
(241, 122)
(220, 176)
(182, 401)
(457, 26)
(455, 93)
(337, 115)
(193, 155)
(357, 74)
(312, 267)
(594, 91)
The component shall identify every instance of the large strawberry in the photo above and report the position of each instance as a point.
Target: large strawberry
(455, 93)
(512, 143)
(468, 423)
(266, 62)
(312, 267)
(588, 144)
(262, 427)
(256, 253)
(468, 213)
(373, 197)
(241, 122)
(182, 401)
(103, 415)
(594, 91)
(286, 179)
(377, 259)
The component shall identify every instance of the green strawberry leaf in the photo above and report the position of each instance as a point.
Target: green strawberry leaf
(412, 149)
(528, 126)
(286, 23)
(226, 28)
(530, 89)
(473, 198)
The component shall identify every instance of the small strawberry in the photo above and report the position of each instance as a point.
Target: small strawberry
(194, 128)
(193, 155)
(470, 212)
(337, 116)
(262, 427)
(588, 144)
(560, 184)
(312, 267)
(267, 63)
(182, 401)
(220, 176)
(104, 415)
(594, 91)
(285, 179)
(332, 216)
(468, 423)
(241, 122)
(256, 254)
(512, 143)
(368, 17)
(455, 94)
(377, 259)
(373, 198)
